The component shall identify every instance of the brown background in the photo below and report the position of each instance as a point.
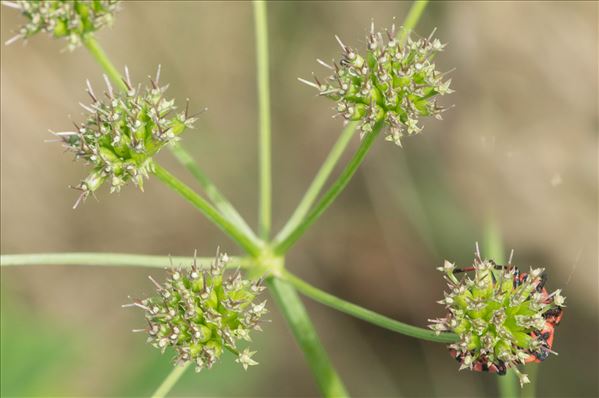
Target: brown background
(520, 144)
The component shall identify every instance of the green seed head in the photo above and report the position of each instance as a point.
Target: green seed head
(501, 316)
(69, 19)
(122, 132)
(200, 312)
(394, 81)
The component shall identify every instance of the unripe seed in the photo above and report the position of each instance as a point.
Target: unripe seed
(69, 19)
(199, 322)
(399, 82)
(120, 136)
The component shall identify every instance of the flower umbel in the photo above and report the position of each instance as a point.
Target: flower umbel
(123, 132)
(503, 317)
(200, 312)
(394, 82)
(71, 19)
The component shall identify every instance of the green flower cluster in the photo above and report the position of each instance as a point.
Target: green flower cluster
(200, 313)
(122, 133)
(69, 19)
(395, 82)
(503, 317)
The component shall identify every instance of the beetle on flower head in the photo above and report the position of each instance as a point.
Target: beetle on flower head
(503, 317)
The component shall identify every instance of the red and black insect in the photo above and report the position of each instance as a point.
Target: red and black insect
(552, 319)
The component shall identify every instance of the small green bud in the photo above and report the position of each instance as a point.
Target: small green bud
(123, 132)
(503, 317)
(71, 19)
(395, 82)
(200, 312)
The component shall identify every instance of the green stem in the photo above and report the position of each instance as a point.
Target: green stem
(285, 242)
(100, 56)
(220, 202)
(321, 177)
(295, 313)
(291, 306)
(243, 240)
(109, 259)
(261, 31)
(366, 314)
(412, 18)
(529, 390)
(170, 381)
(508, 385)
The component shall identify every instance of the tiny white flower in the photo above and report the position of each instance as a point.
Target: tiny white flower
(245, 358)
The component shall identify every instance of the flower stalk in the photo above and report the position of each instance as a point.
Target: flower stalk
(169, 382)
(291, 306)
(366, 314)
(284, 242)
(108, 259)
(411, 20)
(319, 180)
(296, 315)
(212, 192)
(247, 243)
(264, 141)
(100, 56)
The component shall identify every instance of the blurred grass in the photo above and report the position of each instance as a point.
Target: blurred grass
(36, 353)
(42, 358)
(416, 180)
(222, 380)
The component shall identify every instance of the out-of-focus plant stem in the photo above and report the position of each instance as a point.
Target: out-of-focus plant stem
(220, 202)
(319, 180)
(172, 379)
(293, 309)
(287, 298)
(411, 20)
(281, 246)
(530, 390)
(101, 58)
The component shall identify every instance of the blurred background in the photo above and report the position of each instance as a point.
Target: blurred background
(520, 147)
